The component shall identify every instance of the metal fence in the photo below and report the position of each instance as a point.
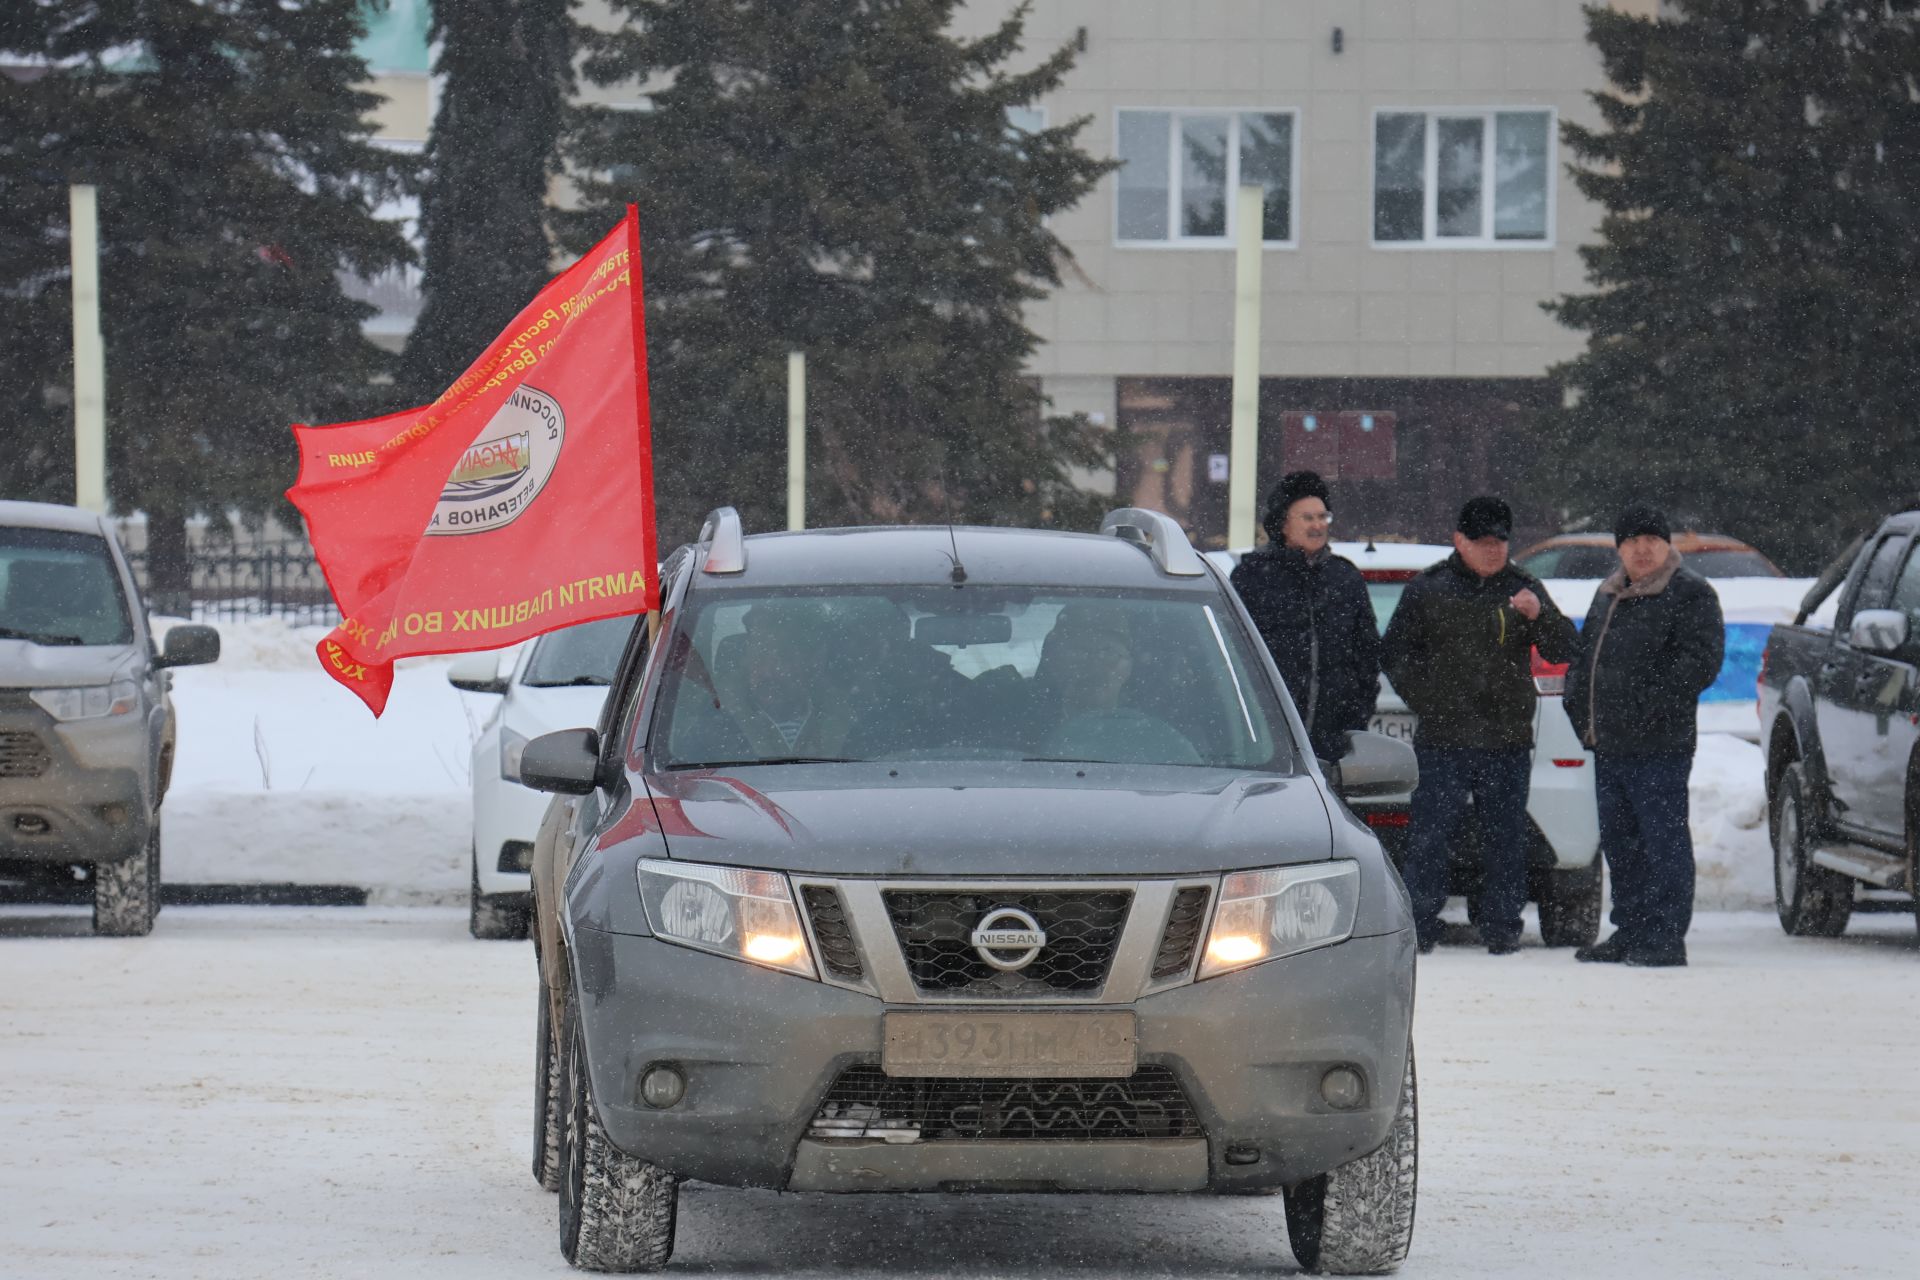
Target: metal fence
(258, 578)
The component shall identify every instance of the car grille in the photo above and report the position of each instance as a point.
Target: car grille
(23, 755)
(1184, 922)
(935, 933)
(864, 1102)
(831, 930)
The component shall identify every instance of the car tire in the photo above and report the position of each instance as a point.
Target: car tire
(493, 919)
(1570, 906)
(1812, 901)
(546, 1098)
(126, 894)
(1358, 1219)
(616, 1212)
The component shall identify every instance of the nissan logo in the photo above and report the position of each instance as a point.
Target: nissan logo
(1008, 938)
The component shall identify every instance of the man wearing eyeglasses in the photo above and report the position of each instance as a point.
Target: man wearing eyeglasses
(1312, 610)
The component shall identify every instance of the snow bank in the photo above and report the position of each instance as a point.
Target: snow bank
(282, 776)
(1733, 857)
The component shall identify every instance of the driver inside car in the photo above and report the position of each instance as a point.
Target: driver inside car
(1088, 666)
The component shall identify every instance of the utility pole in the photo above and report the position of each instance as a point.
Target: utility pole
(89, 358)
(1244, 451)
(796, 440)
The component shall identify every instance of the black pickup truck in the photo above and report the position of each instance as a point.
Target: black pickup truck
(1840, 726)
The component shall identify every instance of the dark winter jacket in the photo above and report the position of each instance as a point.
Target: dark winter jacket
(1461, 656)
(1318, 623)
(1649, 649)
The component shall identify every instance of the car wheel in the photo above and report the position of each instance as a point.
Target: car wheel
(154, 840)
(1570, 906)
(546, 1098)
(1358, 1219)
(125, 893)
(1813, 901)
(489, 918)
(616, 1212)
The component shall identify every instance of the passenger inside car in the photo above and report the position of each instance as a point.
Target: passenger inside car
(1083, 688)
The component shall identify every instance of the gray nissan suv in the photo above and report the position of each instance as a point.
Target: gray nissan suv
(965, 859)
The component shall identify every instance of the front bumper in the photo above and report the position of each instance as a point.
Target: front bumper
(78, 790)
(759, 1050)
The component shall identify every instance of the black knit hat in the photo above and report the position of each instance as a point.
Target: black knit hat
(1486, 517)
(1293, 486)
(1641, 518)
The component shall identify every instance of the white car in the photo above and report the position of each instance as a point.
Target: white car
(557, 681)
(1563, 862)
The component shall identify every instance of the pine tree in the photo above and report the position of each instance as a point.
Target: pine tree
(1749, 358)
(236, 181)
(506, 72)
(839, 177)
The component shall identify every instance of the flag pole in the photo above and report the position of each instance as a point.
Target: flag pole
(796, 440)
(1244, 447)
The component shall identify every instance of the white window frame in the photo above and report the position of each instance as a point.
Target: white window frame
(1430, 176)
(1174, 239)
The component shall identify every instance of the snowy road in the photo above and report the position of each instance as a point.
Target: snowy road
(270, 1092)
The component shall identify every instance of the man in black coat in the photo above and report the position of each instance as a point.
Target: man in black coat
(1459, 652)
(1311, 608)
(1651, 645)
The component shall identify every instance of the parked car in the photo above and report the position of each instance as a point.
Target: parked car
(1840, 730)
(1592, 555)
(1564, 874)
(934, 859)
(87, 728)
(558, 681)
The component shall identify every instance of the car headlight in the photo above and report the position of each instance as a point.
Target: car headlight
(748, 915)
(92, 702)
(1264, 915)
(512, 747)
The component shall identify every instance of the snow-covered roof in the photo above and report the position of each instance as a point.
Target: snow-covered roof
(1367, 555)
(49, 515)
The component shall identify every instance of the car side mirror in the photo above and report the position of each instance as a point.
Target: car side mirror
(477, 673)
(1376, 765)
(1880, 631)
(567, 762)
(189, 645)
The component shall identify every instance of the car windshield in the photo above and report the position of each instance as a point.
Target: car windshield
(586, 654)
(60, 588)
(1385, 597)
(1730, 564)
(978, 674)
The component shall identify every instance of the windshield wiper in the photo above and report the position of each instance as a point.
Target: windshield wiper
(34, 637)
(566, 684)
(738, 764)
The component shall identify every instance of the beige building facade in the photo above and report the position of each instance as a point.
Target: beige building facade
(1418, 213)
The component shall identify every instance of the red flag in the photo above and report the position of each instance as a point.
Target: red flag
(519, 501)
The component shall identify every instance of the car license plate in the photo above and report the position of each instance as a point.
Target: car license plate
(1395, 725)
(1008, 1045)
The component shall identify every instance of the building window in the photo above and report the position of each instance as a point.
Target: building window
(1463, 179)
(1180, 168)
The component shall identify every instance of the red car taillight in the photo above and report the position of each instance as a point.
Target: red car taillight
(1550, 678)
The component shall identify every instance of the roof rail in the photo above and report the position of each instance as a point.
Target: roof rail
(1164, 540)
(726, 542)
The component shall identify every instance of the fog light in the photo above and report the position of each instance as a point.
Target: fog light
(1343, 1088)
(662, 1087)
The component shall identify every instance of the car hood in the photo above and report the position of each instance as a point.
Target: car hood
(1038, 820)
(24, 665)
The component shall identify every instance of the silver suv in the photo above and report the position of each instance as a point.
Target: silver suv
(86, 723)
(930, 859)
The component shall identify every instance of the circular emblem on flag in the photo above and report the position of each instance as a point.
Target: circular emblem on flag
(503, 471)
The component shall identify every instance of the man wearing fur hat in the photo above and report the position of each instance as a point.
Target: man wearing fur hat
(1651, 645)
(1311, 608)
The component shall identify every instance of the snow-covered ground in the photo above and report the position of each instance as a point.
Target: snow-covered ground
(283, 777)
(255, 1092)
